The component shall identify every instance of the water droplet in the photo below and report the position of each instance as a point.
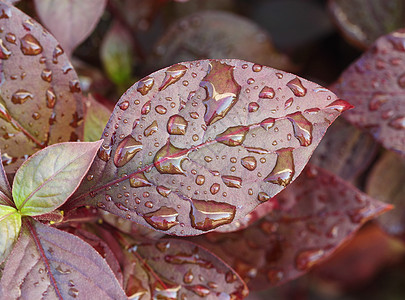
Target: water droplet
(36, 116)
(58, 51)
(121, 206)
(288, 103)
(222, 91)
(296, 87)
(160, 109)
(232, 181)
(253, 106)
(250, 81)
(207, 215)
(4, 52)
(168, 159)
(162, 190)
(188, 277)
(5, 12)
(233, 136)
(126, 150)
(124, 105)
(146, 108)
(266, 124)
(73, 292)
(61, 271)
(104, 153)
(207, 158)
(145, 85)
(50, 98)
(302, 128)
(284, 169)
(377, 100)
(173, 74)
(30, 45)
(263, 197)
(257, 68)
(149, 204)
(151, 129)
(398, 123)
(74, 86)
(249, 162)
(267, 93)
(138, 180)
(275, 276)
(340, 105)
(177, 125)
(162, 219)
(306, 259)
(199, 290)
(215, 187)
(21, 96)
(200, 179)
(46, 75)
(230, 277)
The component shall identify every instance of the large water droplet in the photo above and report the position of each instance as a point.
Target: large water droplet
(200, 179)
(151, 129)
(263, 197)
(173, 74)
(4, 52)
(398, 123)
(126, 150)
(207, 215)
(146, 108)
(177, 125)
(124, 105)
(162, 219)
(74, 86)
(58, 51)
(340, 105)
(104, 153)
(233, 136)
(267, 93)
(163, 191)
(46, 75)
(21, 96)
(169, 159)
(232, 181)
(284, 169)
(199, 290)
(145, 85)
(306, 259)
(160, 109)
(50, 98)
(296, 87)
(302, 128)
(11, 38)
(266, 124)
(30, 45)
(253, 106)
(249, 162)
(215, 187)
(222, 91)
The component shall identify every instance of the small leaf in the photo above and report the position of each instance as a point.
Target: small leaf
(40, 100)
(46, 180)
(363, 21)
(10, 224)
(97, 116)
(201, 144)
(316, 214)
(71, 21)
(375, 84)
(47, 262)
(5, 189)
(117, 54)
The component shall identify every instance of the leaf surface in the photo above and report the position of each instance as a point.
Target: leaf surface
(46, 180)
(375, 85)
(200, 144)
(10, 224)
(40, 96)
(5, 189)
(52, 264)
(316, 214)
(71, 21)
(363, 21)
(97, 116)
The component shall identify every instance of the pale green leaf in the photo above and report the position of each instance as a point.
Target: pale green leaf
(97, 116)
(47, 179)
(10, 224)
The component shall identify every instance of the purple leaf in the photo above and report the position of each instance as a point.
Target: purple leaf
(70, 21)
(317, 213)
(5, 189)
(201, 144)
(47, 262)
(40, 100)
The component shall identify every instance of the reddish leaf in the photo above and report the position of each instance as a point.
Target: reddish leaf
(317, 213)
(386, 183)
(71, 21)
(363, 21)
(217, 34)
(375, 85)
(5, 189)
(47, 262)
(41, 101)
(231, 146)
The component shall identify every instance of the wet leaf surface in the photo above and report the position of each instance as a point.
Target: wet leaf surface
(216, 34)
(70, 21)
(345, 151)
(47, 179)
(40, 98)
(375, 85)
(97, 116)
(316, 214)
(49, 263)
(10, 224)
(363, 21)
(386, 183)
(201, 144)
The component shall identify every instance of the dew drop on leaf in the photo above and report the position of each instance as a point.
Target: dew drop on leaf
(207, 215)
(126, 150)
(284, 169)
(162, 219)
(30, 45)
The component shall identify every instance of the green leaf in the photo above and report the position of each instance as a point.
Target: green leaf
(47, 179)
(10, 224)
(97, 116)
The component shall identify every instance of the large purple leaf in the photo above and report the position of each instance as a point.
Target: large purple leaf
(201, 144)
(40, 97)
(317, 213)
(71, 21)
(375, 85)
(52, 264)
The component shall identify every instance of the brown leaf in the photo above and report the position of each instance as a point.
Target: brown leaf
(363, 21)
(40, 98)
(316, 215)
(201, 144)
(375, 85)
